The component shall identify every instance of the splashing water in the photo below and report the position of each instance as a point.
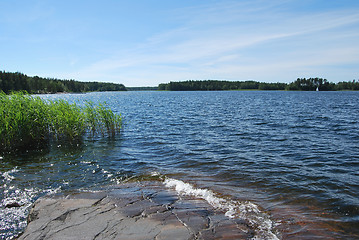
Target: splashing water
(248, 211)
(15, 204)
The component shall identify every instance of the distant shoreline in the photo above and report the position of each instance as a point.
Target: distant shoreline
(15, 82)
(301, 84)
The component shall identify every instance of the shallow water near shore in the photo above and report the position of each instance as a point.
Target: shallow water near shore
(295, 155)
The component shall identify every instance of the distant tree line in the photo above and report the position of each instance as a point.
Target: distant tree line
(311, 84)
(20, 82)
(217, 85)
(301, 84)
(142, 88)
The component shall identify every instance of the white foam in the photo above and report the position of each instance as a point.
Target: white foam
(7, 175)
(14, 219)
(85, 162)
(155, 174)
(259, 221)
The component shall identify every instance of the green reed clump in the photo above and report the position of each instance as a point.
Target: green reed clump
(23, 121)
(102, 120)
(29, 122)
(66, 121)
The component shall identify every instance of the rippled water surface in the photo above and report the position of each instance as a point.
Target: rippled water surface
(294, 154)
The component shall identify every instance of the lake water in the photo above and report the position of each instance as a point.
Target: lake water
(293, 155)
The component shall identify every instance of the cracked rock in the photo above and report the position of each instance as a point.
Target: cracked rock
(144, 210)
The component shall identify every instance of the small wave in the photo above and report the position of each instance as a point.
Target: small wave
(7, 175)
(86, 162)
(155, 174)
(248, 211)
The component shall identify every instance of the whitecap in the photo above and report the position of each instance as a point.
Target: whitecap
(248, 211)
(86, 162)
(7, 175)
(155, 174)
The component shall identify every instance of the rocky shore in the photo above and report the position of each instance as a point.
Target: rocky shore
(145, 210)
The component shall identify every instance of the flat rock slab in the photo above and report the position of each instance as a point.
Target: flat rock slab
(142, 210)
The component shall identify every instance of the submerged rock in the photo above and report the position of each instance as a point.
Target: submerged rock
(12, 205)
(145, 210)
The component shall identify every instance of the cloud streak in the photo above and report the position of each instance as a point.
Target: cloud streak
(260, 40)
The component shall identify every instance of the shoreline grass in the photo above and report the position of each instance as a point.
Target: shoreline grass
(28, 122)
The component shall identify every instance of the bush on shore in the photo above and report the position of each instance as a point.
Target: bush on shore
(28, 122)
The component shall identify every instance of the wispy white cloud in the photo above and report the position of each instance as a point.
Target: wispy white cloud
(243, 40)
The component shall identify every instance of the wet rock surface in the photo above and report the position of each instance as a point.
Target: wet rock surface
(145, 210)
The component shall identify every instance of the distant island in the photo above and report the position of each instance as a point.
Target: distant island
(17, 81)
(301, 84)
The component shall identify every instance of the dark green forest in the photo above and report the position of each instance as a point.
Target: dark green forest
(301, 84)
(142, 88)
(10, 82)
(217, 85)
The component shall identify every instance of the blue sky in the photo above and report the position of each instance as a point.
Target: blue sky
(147, 42)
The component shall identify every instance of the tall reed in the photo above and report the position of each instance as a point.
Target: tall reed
(101, 119)
(29, 122)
